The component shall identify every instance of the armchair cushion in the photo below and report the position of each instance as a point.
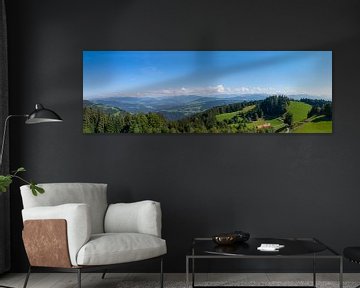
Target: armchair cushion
(78, 221)
(92, 194)
(138, 217)
(113, 248)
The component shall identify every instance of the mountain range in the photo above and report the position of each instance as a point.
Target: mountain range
(177, 107)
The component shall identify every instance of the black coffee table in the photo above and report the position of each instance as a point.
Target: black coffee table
(295, 248)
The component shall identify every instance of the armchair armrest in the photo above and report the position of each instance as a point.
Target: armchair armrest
(138, 217)
(77, 217)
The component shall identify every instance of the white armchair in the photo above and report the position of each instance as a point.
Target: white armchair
(72, 228)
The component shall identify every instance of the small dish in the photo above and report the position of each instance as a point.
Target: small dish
(225, 239)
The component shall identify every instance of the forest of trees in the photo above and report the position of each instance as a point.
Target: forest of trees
(99, 120)
(319, 107)
(274, 106)
(96, 121)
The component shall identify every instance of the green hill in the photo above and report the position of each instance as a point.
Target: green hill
(227, 116)
(299, 110)
(319, 124)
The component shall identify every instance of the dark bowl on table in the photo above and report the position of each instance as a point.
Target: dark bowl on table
(225, 239)
(231, 238)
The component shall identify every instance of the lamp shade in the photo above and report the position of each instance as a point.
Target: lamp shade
(42, 115)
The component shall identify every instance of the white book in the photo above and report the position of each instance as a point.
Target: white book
(270, 247)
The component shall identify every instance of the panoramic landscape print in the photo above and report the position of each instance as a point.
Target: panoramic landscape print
(207, 92)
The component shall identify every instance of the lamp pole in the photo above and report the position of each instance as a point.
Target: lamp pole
(4, 133)
(2, 151)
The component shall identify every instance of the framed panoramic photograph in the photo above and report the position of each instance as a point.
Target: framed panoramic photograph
(207, 92)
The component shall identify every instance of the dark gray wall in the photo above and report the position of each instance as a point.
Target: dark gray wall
(270, 185)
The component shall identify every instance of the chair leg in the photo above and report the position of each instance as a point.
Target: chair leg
(27, 277)
(79, 277)
(161, 273)
(103, 275)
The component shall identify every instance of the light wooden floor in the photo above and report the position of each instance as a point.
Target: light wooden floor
(114, 280)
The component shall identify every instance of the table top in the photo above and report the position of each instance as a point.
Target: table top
(293, 247)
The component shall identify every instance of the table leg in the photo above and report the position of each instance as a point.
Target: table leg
(341, 273)
(314, 271)
(187, 272)
(193, 267)
(193, 272)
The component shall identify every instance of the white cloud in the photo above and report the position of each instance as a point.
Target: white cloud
(217, 90)
(220, 88)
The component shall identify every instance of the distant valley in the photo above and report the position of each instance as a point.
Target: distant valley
(177, 107)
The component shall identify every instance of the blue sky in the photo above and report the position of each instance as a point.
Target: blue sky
(206, 73)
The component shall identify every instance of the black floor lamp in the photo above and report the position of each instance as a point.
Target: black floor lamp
(39, 115)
